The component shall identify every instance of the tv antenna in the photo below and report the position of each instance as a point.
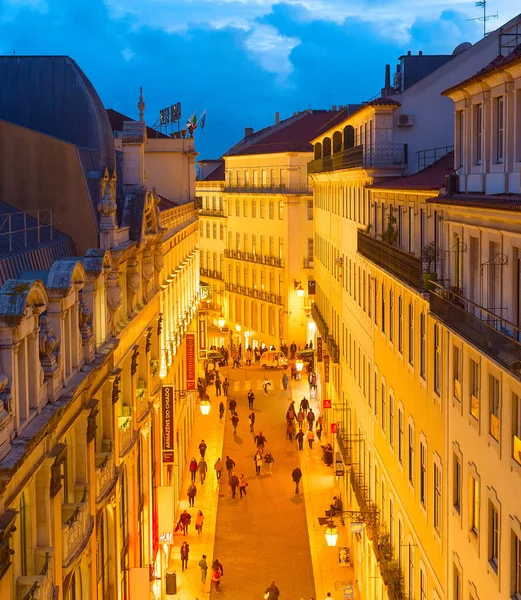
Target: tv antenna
(483, 4)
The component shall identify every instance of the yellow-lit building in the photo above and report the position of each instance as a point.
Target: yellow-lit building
(86, 341)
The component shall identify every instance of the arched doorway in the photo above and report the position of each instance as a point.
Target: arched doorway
(349, 137)
(326, 147)
(318, 150)
(337, 142)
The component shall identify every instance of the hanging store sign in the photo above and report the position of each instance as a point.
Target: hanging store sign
(357, 527)
(326, 368)
(319, 349)
(190, 361)
(167, 407)
(202, 336)
(326, 403)
(334, 427)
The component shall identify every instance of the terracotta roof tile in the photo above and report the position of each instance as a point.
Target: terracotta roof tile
(430, 178)
(165, 203)
(217, 174)
(116, 121)
(498, 63)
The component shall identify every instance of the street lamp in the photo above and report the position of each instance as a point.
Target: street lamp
(331, 534)
(221, 321)
(300, 292)
(205, 405)
(238, 328)
(299, 365)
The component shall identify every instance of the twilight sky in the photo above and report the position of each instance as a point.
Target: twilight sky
(242, 60)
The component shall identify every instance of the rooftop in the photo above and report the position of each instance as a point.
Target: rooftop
(430, 178)
(117, 119)
(509, 202)
(217, 174)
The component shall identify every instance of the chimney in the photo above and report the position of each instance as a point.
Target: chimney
(387, 83)
(333, 107)
(248, 131)
(409, 53)
(420, 53)
(277, 118)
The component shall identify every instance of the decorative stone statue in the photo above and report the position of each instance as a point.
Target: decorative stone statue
(114, 299)
(48, 347)
(85, 318)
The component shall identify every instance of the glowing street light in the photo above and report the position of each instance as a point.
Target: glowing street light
(300, 292)
(331, 534)
(205, 406)
(238, 328)
(221, 321)
(299, 365)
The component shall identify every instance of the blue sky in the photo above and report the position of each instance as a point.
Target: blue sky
(242, 60)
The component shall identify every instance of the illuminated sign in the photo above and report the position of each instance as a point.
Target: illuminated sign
(167, 406)
(190, 361)
(319, 349)
(326, 368)
(326, 403)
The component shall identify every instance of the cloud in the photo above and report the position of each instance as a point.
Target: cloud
(271, 49)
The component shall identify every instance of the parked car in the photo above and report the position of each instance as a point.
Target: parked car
(215, 356)
(307, 355)
(273, 359)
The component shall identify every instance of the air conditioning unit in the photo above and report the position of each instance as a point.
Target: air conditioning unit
(405, 120)
(451, 184)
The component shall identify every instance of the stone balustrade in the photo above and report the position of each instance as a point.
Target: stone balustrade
(76, 527)
(105, 473)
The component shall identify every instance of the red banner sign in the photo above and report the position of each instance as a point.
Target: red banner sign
(326, 403)
(319, 349)
(190, 361)
(202, 335)
(334, 427)
(326, 368)
(167, 406)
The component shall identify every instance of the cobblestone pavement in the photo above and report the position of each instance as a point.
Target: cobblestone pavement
(264, 536)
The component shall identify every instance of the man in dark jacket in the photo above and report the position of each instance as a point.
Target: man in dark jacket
(311, 418)
(296, 475)
(230, 465)
(234, 482)
(218, 384)
(272, 591)
(235, 422)
(300, 439)
(185, 520)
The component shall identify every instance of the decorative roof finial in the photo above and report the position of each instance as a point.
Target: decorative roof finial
(141, 105)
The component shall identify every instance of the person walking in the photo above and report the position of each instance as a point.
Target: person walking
(221, 409)
(232, 405)
(260, 440)
(251, 417)
(217, 573)
(199, 520)
(272, 592)
(296, 475)
(203, 469)
(230, 465)
(269, 460)
(202, 448)
(300, 439)
(257, 459)
(300, 418)
(318, 430)
(285, 381)
(203, 565)
(290, 429)
(242, 485)
(248, 356)
(226, 386)
(193, 469)
(184, 551)
(218, 386)
(265, 385)
(191, 493)
(235, 422)
(310, 436)
(304, 405)
(311, 418)
(251, 399)
(234, 482)
(185, 519)
(218, 467)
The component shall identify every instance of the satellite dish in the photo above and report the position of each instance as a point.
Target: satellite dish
(461, 48)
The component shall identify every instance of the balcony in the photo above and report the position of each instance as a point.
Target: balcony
(261, 259)
(126, 434)
(404, 266)
(39, 586)
(210, 273)
(142, 403)
(496, 337)
(254, 293)
(383, 155)
(275, 188)
(344, 445)
(320, 321)
(77, 524)
(307, 263)
(211, 212)
(105, 474)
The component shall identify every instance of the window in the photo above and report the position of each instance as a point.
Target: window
(375, 394)
(478, 112)
(516, 566)
(245, 208)
(456, 371)
(423, 474)
(369, 296)
(500, 138)
(423, 585)
(400, 323)
(474, 505)
(281, 210)
(271, 209)
(457, 482)
(237, 208)
(474, 388)
(411, 334)
(436, 475)
(493, 392)
(383, 308)
(391, 522)
(391, 316)
(459, 138)
(221, 232)
(423, 345)
(262, 208)
(383, 415)
(214, 231)
(411, 454)
(208, 230)
(493, 535)
(411, 229)
(437, 359)
(254, 208)
(391, 420)
(310, 209)
(376, 303)
(457, 583)
(237, 241)
(411, 572)
(230, 208)
(400, 435)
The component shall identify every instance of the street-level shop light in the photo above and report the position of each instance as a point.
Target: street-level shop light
(221, 321)
(299, 365)
(238, 328)
(205, 406)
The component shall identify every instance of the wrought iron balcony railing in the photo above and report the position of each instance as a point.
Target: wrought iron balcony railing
(126, 434)
(261, 259)
(320, 321)
(105, 474)
(142, 402)
(254, 293)
(380, 155)
(211, 273)
(76, 528)
(274, 188)
(495, 336)
(38, 587)
(404, 266)
(212, 212)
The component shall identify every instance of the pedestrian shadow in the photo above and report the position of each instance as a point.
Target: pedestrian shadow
(297, 499)
(237, 439)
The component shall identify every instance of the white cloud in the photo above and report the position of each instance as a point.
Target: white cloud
(271, 49)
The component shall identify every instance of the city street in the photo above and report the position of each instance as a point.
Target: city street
(262, 537)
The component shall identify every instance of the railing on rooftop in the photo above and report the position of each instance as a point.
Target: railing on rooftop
(399, 263)
(268, 188)
(211, 212)
(495, 336)
(379, 155)
(22, 224)
(430, 156)
(176, 216)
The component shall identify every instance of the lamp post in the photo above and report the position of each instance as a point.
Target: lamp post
(299, 365)
(331, 534)
(205, 406)
(300, 292)
(221, 321)
(360, 516)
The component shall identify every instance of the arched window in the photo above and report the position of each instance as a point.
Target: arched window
(349, 137)
(326, 149)
(337, 142)
(318, 150)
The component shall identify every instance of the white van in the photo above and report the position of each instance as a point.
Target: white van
(273, 359)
